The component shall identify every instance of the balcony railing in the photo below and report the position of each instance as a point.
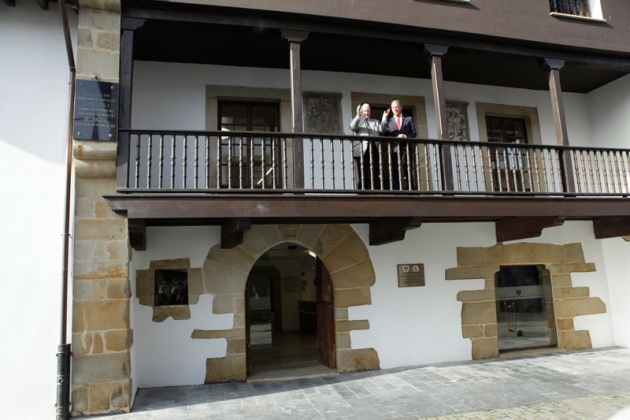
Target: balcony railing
(257, 162)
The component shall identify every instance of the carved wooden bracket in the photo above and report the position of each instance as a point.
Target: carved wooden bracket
(611, 227)
(137, 234)
(385, 231)
(232, 232)
(524, 227)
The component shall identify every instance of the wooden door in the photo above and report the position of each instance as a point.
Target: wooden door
(248, 324)
(326, 348)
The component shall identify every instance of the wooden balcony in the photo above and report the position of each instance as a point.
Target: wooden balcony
(236, 179)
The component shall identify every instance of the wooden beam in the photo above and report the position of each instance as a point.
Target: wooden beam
(137, 234)
(524, 227)
(352, 208)
(611, 227)
(385, 231)
(232, 232)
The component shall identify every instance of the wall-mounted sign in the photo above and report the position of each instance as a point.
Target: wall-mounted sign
(96, 110)
(410, 275)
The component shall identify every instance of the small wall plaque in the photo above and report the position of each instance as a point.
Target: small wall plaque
(96, 110)
(410, 275)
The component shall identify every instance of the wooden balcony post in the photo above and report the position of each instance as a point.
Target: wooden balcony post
(295, 39)
(552, 67)
(128, 28)
(434, 53)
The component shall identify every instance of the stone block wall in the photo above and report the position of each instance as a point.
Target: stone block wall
(101, 334)
(479, 318)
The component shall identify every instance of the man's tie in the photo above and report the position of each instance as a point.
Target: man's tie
(398, 122)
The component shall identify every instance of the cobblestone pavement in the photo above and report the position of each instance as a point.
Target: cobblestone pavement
(592, 385)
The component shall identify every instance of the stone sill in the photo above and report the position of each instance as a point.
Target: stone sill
(568, 16)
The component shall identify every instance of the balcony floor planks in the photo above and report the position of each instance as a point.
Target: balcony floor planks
(179, 209)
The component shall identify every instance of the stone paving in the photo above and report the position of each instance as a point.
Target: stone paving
(592, 385)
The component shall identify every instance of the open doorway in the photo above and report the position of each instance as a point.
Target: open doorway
(289, 316)
(525, 313)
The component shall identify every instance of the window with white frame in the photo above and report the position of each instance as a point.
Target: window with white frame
(579, 8)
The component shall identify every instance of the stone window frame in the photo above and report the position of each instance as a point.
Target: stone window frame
(145, 288)
(217, 93)
(478, 315)
(532, 126)
(528, 113)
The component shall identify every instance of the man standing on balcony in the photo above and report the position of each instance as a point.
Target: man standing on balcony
(402, 127)
(366, 153)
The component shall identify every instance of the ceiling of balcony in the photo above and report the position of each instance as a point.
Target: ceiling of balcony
(207, 35)
(353, 49)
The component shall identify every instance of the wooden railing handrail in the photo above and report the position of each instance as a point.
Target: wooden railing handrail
(279, 134)
(248, 161)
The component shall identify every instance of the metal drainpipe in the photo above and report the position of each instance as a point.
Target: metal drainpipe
(64, 351)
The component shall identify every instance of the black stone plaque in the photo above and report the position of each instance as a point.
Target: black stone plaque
(410, 275)
(96, 110)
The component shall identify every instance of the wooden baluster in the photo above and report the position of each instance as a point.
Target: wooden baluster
(185, 161)
(624, 167)
(173, 141)
(332, 161)
(136, 174)
(458, 171)
(528, 162)
(196, 163)
(598, 172)
(285, 163)
(321, 156)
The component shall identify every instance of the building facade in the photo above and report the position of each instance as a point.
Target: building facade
(220, 206)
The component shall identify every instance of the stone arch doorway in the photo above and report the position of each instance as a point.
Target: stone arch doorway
(346, 259)
(289, 313)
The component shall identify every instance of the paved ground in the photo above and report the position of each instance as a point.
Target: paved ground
(568, 385)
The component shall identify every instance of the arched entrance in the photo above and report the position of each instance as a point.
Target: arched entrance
(225, 273)
(289, 315)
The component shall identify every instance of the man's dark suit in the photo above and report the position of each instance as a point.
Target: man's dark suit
(399, 149)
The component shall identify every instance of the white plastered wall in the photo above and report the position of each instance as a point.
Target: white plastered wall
(609, 109)
(408, 326)
(172, 96)
(164, 352)
(34, 91)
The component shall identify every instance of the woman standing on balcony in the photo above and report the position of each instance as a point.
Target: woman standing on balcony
(366, 152)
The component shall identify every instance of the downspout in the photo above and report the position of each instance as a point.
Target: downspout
(64, 350)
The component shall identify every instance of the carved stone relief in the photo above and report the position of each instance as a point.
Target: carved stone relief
(457, 121)
(322, 113)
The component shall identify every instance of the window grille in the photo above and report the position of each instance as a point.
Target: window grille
(171, 287)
